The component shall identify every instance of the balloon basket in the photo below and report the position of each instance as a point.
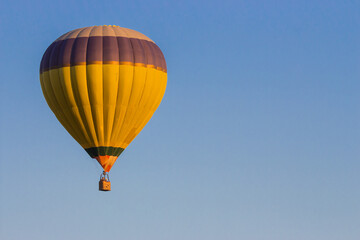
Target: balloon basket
(104, 183)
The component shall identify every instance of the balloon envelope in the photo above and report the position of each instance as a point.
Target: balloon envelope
(103, 84)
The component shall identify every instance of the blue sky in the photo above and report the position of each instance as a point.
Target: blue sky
(257, 137)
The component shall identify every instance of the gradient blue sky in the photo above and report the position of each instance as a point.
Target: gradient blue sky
(257, 137)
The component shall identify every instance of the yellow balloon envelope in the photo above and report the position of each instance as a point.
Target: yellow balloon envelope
(103, 84)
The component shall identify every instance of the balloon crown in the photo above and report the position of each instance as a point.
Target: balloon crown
(111, 25)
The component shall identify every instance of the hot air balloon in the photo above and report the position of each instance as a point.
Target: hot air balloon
(103, 83)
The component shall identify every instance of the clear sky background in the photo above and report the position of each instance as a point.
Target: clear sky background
(257, 137)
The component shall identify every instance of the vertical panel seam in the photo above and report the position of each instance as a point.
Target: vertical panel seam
(93, 117)
(117, 89)
(56, 101)
(75, 129)
(132, 85)
(77, 100)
